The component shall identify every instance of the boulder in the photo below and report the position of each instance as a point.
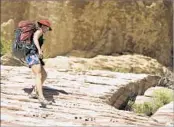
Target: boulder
(9, 60)
(124, 63)
(142, 99)
(150, 92)
(165, 114)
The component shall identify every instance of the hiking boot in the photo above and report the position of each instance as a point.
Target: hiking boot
(44, 102)
(34, 93)
(33, 96)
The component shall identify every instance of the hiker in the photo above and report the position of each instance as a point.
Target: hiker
(27, 45)
(35, 62)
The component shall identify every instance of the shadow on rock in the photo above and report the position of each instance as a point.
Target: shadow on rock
(48, 92)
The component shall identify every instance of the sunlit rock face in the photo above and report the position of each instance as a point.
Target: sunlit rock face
(100, 27)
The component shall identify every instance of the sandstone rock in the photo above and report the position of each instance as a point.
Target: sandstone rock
(149, 92)
(100, 27)
(80, 53)
(125, 63)
(9, 60)
(7, 34)
(165, 114)
(78, 98)
(169, 124)
(168, 79)
(142, 99)
(58, 62)
(7, 29)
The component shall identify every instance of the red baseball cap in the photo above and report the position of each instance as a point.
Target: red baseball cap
(46, 23)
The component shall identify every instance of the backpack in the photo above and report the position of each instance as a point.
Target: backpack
(23, 38)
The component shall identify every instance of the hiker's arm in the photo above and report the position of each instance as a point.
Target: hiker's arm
(37, 34)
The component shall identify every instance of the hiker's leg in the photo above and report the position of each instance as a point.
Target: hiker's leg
(37, 69)
(40, 78)
(34, 92)
(44, 74)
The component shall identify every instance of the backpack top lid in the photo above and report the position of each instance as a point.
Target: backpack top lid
(27, 29)
(25, 23)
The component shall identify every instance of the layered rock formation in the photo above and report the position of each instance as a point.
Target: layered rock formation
(79, 98)
(84, 91)
(165, 114)
(88, 28)
(125, 64)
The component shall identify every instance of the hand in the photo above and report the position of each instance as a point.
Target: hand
(40, 54)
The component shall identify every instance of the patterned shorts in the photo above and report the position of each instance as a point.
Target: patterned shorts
(32, 60)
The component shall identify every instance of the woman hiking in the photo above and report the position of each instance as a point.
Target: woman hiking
(35, 62)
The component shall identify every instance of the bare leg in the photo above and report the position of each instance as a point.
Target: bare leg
(43, 78)
(34, 91)
(44, 74)
(40, 75)
(37, 69)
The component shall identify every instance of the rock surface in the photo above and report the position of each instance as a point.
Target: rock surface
(9, 60)
(7, 29)
(79, 98)
(168, 79)
(124, 63)
(150, 92)
(142, 99)
(87, 28)
(165, 114)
